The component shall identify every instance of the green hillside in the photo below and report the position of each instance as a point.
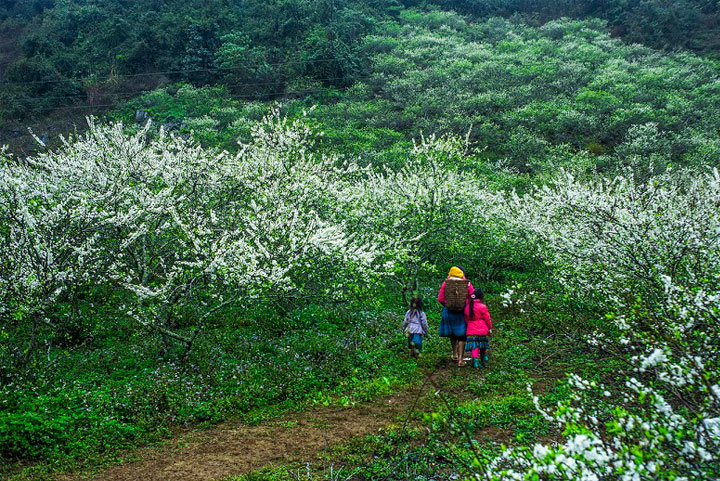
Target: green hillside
(230, 238)
(67, 53)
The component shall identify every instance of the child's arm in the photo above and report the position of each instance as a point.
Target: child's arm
(486, 314)
(406, 321)
(423, 322)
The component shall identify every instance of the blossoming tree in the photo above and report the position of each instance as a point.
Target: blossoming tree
(430, 210)
(648, 253)
(182, 230)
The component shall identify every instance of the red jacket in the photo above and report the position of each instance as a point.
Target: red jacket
(481, 323)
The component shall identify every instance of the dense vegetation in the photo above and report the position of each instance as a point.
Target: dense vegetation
(206, 252)
(83, 53)
(679, 24)
(101, 52)
(535, 99)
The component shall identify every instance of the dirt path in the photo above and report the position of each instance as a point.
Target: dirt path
(234, 448)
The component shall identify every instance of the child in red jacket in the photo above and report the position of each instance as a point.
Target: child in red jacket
(479, 328)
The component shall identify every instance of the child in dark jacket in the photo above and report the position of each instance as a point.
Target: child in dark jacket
(479, 328)
(415, 325)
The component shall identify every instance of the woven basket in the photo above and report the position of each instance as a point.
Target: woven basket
(456, 292)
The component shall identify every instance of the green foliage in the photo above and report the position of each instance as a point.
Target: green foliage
(532, 97)
(535, 98)
(690, 24)
(253, 48)
(244, 67)
(210, 114)
(530, 100)
(105, 51)
(119, 394)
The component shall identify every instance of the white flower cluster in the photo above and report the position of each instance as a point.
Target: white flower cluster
(180, 227)
(517, 297)
(175, 224)
(649, 254)
(424, 206)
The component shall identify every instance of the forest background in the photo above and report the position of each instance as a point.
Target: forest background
(235, 235)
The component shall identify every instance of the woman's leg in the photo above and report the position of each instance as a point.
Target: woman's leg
(483, 356)
(453, 343)
(461, 352)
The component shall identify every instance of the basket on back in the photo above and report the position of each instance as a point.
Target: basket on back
(456, 292)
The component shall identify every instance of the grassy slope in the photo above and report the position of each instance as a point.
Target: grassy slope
(423, 436)
(492, 406)
(112, 395)
(131, 396)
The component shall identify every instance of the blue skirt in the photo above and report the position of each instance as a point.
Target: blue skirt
(415, 341)
(481, 342)
(452, 324)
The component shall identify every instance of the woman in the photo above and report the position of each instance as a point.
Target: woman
(454, 295)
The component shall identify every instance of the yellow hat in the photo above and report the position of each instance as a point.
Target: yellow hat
(456, 272)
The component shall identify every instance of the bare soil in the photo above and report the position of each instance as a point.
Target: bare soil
(233, 448)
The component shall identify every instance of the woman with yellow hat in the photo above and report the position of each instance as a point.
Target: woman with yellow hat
(454, 295)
